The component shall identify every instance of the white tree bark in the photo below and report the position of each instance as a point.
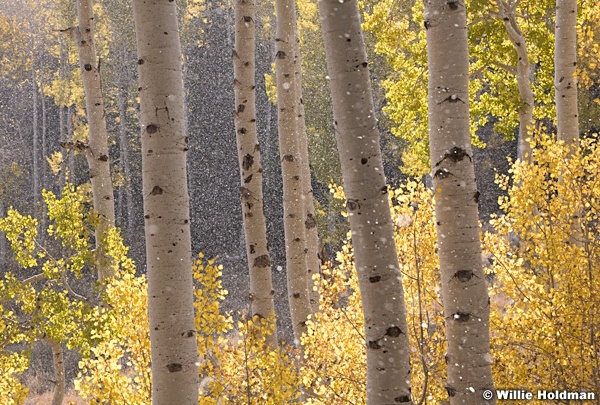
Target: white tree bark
(507, 13)
(357, 136)
(36, 146)
(249, 158)
(97, 147)
(293, 208)
(174, 348)
(124, 156)
(59, 371)
(464, 290)
(313, 263)
(565, 65)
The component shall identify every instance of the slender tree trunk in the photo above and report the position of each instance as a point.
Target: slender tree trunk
(166, 205)
(44, 135)
(62, 137)
(59, 371)
(3, 250)
(357, 136)
(464, 290)
(249, 158)
(36, 146)
(124, 153)
(293, 207)
(565, 64)
(97, 148)
(63, 118)
(71, 155)
(508, 14)
(313, 264)
(44, 163)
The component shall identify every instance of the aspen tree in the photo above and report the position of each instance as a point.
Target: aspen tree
(313, 263)
(35, 145)
(507, 12)
(565, 66)
(249, 158)
(464, 289)
(59, 371)
(174, 351)
(565, 85)
(357, 136)
(293, 207)
(96, 150)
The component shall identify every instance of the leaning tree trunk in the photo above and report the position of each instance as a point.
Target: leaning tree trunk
(251, 190)
(388, 367)
(166, 205)
(565, 65)
(96, 151)
(464, 290)
(508, 14)
(293, 208)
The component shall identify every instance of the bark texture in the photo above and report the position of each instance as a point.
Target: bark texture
(313, 263)
(96, 151)
(507, 12)
(251, 189)
(166, 205)
(59, 371)
(565, 65)
(293, 207)
(464, 290)
(357, 136)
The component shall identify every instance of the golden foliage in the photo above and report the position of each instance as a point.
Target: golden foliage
(545, 259)
(334, 366)
(237, 366)
(541, 257)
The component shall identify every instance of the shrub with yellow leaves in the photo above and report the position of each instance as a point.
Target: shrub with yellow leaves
(545, 261)
(237, 366)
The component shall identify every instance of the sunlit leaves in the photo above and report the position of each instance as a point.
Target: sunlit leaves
(544, 261)
(21, 232)
(12, 391)
(400, 38)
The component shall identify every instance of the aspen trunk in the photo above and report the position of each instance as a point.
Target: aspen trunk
(464, 290)
(565, 64)
(293, 208)
(565, 85)
(376, 260)
(166, 205)
(70, 155)
(507, 13)
(59, 371)
(124, 154)
(36, 146)
(249, 158)
(43, 179)
(313, 264)
(97, 148)
(62, 137)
